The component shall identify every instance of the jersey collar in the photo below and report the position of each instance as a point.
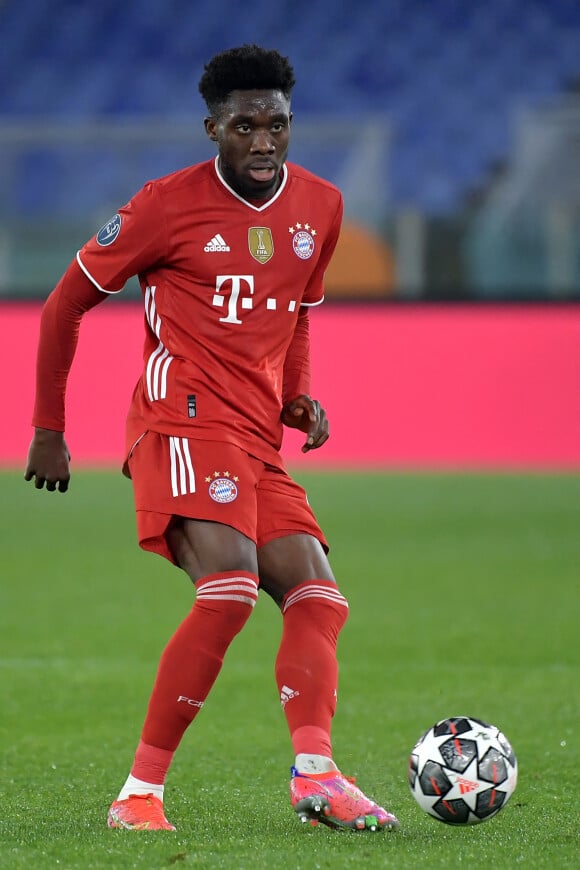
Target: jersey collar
(245, 201)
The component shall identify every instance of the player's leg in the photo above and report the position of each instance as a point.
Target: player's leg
(295, 571)
(221, 561)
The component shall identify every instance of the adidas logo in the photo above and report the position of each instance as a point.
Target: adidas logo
(466, 785)
(286, 694)
(216, 244)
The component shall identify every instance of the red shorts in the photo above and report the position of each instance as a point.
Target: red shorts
(212, 480)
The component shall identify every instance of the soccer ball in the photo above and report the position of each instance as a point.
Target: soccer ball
(462, 771)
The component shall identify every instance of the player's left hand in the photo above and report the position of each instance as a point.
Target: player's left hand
(308, 416)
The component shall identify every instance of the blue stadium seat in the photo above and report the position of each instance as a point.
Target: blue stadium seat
(448, 74)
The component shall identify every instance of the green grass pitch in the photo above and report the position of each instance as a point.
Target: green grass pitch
(464, 594)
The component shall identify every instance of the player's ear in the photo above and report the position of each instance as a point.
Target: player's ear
(210, 128)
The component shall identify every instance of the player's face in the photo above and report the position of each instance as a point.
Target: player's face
(252, 134)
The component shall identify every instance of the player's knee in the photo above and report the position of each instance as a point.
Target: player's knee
(290, 561)
(227, 601)
(316, 607)
(202, 549)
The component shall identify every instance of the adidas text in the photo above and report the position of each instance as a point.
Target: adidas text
(216, 245)
(286, 694)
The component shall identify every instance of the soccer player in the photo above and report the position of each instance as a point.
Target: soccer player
(230, 255)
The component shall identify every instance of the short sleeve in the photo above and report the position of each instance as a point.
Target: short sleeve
(129, 243)
(314, 293)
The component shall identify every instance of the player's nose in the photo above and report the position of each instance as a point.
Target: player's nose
(262, 142)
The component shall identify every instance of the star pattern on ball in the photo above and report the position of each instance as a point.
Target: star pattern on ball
(467, 786)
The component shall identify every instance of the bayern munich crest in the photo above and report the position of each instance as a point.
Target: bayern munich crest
(303, 240)
(222, 489)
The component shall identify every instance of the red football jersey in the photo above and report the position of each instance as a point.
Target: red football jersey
(222, 280)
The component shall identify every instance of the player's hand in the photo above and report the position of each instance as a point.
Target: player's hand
(310, 417)
(48, 461)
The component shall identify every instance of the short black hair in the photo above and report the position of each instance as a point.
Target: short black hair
(246, 68)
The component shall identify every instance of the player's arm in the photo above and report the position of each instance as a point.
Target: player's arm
(299, 410)
(127, 245)
(48, 456)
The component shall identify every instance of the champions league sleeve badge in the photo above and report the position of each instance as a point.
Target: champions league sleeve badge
(109, 231)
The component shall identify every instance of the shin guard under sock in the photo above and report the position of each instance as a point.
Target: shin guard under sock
(306, 667)
(190, 664)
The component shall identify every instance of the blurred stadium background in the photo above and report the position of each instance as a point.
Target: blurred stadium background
(452, 127)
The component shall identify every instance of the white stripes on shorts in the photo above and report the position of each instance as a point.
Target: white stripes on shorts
(182, 473)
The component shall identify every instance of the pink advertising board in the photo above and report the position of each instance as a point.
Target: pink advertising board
(406, 387)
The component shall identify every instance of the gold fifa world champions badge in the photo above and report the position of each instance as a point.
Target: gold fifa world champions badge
(260, 243)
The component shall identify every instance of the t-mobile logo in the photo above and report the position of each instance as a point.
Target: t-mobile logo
(229, 290)
(234, 284)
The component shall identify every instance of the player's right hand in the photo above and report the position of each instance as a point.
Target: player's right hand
(48, 460)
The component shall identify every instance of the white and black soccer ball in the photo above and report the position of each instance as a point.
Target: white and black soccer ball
(462, 771)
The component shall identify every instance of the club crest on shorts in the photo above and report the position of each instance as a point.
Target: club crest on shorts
(222, 487)
(261, 243)
(109, 231)
(303, 240)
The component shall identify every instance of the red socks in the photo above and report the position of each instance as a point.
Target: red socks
(189, 666)
(306, 668)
